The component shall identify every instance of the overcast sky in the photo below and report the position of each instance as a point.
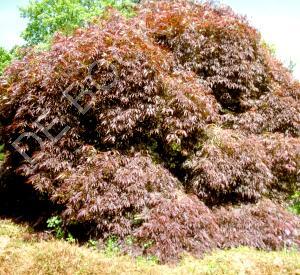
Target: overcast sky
(278, 21)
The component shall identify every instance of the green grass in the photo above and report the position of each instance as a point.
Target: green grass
(23, 252)
(295, 207)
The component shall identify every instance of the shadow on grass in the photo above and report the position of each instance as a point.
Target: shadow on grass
(21, 203)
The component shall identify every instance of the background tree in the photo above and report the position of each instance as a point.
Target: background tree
(48, 16)
(5, 59)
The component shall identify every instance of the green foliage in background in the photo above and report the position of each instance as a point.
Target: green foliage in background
(270, 47)
(1, 152)
(5, 59)
(296, 203)
(292, 66)
(46, 17)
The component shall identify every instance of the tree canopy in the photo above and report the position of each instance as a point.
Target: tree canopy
(45, 17)
(5, 59)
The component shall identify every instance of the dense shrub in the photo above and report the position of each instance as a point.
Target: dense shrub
(229, 167)
(107, 189)
(232, 167)
(179, 225)
(264, 225)
(184, 224)
(216, 44)
(144, 102)
(190, 118)
(276, 112)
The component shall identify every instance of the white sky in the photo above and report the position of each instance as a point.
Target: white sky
(11, 24)
(279, 23)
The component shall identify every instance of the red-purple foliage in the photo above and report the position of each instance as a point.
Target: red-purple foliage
(185, 224)
(232, 167)
(264, 225)
(278, 111)
(175, 226)
(111, 190)
(219, 46)
(189, 111)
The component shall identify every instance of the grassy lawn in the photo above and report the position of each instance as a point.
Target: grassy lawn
(21, 252)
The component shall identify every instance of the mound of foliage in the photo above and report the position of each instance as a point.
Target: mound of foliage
(190, 136)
